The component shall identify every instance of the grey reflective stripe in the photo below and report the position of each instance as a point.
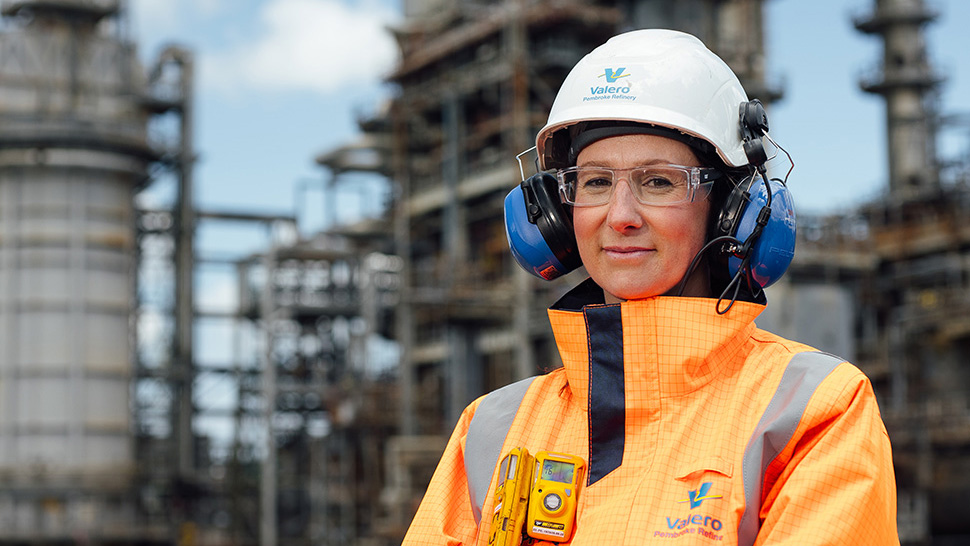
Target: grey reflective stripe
(805, 372)
(486, 434)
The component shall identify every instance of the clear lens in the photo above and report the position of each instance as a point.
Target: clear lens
(651, 185)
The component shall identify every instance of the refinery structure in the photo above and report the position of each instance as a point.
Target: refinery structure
(354, 350)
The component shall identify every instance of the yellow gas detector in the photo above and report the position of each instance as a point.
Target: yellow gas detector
(535, 494)
(553, 499)
(511, 498)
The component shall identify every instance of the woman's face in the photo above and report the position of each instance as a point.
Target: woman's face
(633, 250)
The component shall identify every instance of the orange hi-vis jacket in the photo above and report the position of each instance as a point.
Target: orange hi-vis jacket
(697, 428)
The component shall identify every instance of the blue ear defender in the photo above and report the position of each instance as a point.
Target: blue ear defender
(756, 224)
(539, 229)
(772, 251)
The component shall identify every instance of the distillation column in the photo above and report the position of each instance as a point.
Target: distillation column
(73, 150)
(907, 82)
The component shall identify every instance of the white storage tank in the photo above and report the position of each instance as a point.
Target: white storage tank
(72, 151)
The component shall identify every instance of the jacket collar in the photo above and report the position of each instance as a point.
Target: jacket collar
(670, 346)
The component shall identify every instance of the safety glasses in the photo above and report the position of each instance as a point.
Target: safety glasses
(660, 185)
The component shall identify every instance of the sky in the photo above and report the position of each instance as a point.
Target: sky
(280, 81)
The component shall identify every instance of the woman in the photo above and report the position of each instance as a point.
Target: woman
(693, 426)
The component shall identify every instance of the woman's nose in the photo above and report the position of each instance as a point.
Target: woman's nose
(624, 213)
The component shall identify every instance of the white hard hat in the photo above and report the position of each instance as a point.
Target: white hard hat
(661, 78)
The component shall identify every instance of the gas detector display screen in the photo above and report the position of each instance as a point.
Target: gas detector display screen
(557, 471)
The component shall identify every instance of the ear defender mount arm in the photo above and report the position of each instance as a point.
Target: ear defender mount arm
(754, 124)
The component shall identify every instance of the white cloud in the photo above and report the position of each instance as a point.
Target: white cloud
(316, 45)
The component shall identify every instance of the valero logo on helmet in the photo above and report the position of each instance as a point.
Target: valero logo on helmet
(613, 75)
(600, 92)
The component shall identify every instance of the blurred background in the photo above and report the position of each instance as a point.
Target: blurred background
(253, 262)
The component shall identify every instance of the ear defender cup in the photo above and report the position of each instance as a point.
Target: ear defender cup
(772, 252)
(539, 229)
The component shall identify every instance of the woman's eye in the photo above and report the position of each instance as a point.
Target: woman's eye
(597, 182)
(656, 183)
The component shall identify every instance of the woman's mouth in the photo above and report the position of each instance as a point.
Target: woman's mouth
(627, 251)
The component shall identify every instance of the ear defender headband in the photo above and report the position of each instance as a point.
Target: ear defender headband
(755, 226)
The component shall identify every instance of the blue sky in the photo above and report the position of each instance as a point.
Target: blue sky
(282, 80)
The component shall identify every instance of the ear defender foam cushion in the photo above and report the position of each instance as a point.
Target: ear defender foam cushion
(772, 253)
(538, 228)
